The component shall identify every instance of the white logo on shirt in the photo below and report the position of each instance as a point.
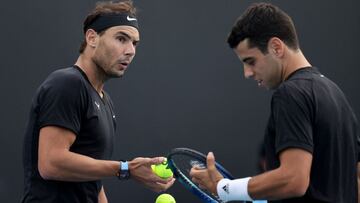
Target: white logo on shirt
(97, 105)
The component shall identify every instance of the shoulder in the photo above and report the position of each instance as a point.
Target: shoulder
(297, 94)
(66, 82)
(67, 77)
(300, 84)
(290, 89)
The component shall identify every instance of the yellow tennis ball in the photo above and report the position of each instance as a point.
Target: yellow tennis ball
(162, 170)
(165, 198)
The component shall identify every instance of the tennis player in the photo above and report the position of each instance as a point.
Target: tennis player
(311, 140)
(70, 132)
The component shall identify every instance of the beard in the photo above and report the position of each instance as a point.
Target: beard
(107, 70)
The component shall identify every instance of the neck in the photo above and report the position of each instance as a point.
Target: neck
(95, 76)
(295, 61)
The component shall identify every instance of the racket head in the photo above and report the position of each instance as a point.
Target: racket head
(181, 160)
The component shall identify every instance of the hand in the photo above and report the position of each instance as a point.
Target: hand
(140, 170)
(207, 178)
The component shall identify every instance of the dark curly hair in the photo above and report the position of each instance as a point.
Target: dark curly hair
(259, 23)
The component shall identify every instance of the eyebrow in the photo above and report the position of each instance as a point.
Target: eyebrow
(247, 59)
(127, 36)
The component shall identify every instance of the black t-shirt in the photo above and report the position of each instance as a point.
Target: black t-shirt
(67, 99)
(310, 112)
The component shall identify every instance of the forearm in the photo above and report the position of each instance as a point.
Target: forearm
(70, 166)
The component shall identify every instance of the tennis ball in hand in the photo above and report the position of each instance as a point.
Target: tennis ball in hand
(165, 198)
(162, 170)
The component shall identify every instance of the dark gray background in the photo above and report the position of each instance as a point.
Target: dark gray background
(185, 87)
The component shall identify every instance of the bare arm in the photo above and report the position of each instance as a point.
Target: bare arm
(56, 162)
(291, 179)
(102, 196)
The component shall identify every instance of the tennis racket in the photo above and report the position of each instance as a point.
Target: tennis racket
(181, 160)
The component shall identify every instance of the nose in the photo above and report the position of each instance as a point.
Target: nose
(248, 72)
(130, 49)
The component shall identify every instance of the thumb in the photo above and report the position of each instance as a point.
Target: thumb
(210, 162)
(214, 174)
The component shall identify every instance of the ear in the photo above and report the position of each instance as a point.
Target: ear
(276, 46)
(91, 37)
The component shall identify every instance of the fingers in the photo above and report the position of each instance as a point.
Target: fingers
(203, 180)
(169, 184)
(198, 167)
(194, 172)
(141, 171)
(200, 177)
(198, 173)
(157, 160)
(157, 184)
(203, 187)
(147, 161)
(160, 187)
(196, 180)
(155, 178)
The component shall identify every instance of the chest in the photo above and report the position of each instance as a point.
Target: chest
(98, 127)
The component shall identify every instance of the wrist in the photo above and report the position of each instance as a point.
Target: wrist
(123, 172)
(229, 190)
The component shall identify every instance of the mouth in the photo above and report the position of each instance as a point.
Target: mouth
(259, 82)
(123, 65)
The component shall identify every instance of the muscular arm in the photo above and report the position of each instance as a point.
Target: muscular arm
(56, 162)
(291, 179)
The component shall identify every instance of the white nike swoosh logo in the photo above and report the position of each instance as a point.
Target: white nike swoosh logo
(130, 19)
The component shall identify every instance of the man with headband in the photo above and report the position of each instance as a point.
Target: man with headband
(69, 138)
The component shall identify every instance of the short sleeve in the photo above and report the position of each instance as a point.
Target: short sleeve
(61, 103)
(292, 111)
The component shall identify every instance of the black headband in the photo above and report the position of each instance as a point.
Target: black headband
(104, 21)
